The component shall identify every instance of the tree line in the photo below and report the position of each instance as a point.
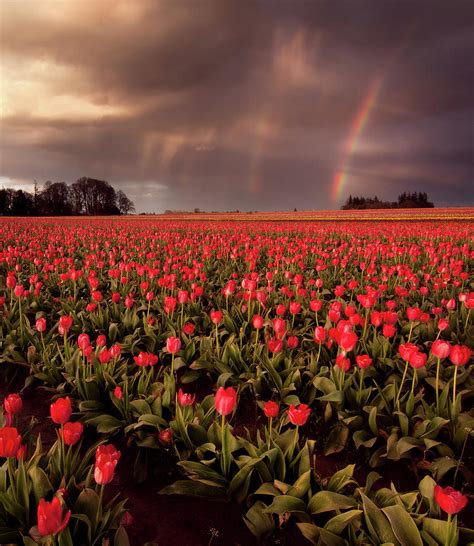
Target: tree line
(86, 196)
(406, 200)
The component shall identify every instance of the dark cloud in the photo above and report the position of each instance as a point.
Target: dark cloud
(225, 104)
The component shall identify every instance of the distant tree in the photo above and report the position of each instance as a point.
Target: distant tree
(55, 199)
(22, 204)
(6, 200)
(405, 200)
(125, 205)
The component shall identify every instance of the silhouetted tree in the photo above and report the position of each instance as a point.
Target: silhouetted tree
(125, 205)
(22, 204)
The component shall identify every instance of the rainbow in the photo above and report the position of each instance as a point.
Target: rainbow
(360, 121)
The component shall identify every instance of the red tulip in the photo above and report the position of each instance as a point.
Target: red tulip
(417, 359)
(189, 328)
(343, 362)
(271, 409)
(40, 325)
(216, 317)
(185, 399)
(298, 415)
(106, 459)
(83, 341)
(61, 410)
(257, 322)
(363, 361)
(118, 392)
(449, 500)
(104, 469)
(275, 345)
(460, 355)
(10, 441)
(166, 437)
(71, 433)
(348, 341)
(51, 520)
(145, 359)
(414, 314)
(406, 349)
(65, 323)
(173, 345)
(13, 404)
(107, 449)
(225, 400)
(320, 334)
(440, 349)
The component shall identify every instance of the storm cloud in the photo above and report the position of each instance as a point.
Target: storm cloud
(250, 105)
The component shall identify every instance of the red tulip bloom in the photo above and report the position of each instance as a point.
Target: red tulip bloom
(440, 349)
(61, 410)
(173, 345)
(104, 469)
(189, 328)
(83, 341)
(118, 392)
(275, 345)
(65, 323)
(216, 317)
(13, 404)
(185, 398)
(363, 361)
(414, 314)
(271, 409)
(10, 441)
(101, 340)
(115, 350)
(40, 325)
(166, 437)
(257, 322)
(51, 519)
(343, 363)
(225, 400)
(320, 334)
(406, 349)
(449, 500)
(71, 433)
(107, 449)
(443, 324)
(145, 359)
(460, 355)
(417, 360)
(348, 341)
(292, 342)
(388, 330)
(298, 415)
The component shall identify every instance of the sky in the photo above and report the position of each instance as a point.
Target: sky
(240, 104)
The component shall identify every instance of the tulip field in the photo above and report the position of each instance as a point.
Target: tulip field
(199, 381)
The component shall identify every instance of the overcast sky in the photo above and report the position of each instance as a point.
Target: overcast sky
(240, 104)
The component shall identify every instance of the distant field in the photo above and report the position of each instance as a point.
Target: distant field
(464, 213)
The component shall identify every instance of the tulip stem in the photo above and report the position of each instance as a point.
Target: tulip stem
(448, 533)
(468, 432)
(99, 508)
(270, 432)
(225, 463)
(401, 385)
(361, 380)
(63, 456)
(454, 393)
(467, 320)
(438, 365)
